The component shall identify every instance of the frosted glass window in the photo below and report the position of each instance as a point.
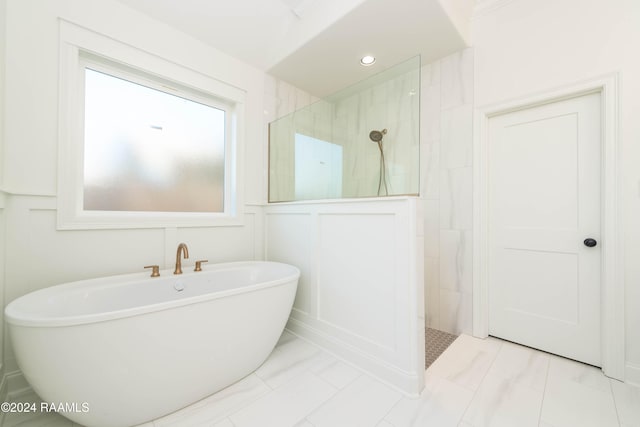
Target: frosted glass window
(318, 169)
(149, 150)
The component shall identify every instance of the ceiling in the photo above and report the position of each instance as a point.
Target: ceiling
(316, 45)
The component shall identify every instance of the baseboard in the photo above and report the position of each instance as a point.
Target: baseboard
(632, 374)
(12, 386)
(407, 383)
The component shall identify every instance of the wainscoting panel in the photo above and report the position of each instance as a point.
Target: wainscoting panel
(360, 291)
(355, 263)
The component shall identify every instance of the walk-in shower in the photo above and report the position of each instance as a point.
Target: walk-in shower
(324, 151)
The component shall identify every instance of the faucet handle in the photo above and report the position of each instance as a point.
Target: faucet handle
(155, 270)
(199, 264)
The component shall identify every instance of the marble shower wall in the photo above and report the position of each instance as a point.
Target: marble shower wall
(387, 101)
(446, 139)
(392, 104)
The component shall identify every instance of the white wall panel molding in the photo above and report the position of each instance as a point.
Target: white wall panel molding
(632, 374)
(12, 384)
(359, 294)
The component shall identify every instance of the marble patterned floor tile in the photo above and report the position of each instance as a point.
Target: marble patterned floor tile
(337, 373)
(289, 360)
(503, 402)
(442, 403)
(466, 361)
(474, 383)
(524, 366)
(627, 399)
(217, 406)
(362, 403)
(572, 400)
(286, 405)
(579, 373)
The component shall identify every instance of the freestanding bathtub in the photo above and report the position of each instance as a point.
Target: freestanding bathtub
(122, 350)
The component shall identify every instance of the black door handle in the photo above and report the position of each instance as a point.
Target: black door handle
(590, 242)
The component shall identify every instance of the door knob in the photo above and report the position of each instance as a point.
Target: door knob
(589, 242)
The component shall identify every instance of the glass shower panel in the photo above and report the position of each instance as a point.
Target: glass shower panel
(360, 142)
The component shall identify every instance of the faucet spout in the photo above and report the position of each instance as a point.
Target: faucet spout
(182, 249)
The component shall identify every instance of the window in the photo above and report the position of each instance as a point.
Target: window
(149, 150)
(144, 142)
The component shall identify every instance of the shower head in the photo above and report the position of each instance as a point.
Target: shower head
(377, 135)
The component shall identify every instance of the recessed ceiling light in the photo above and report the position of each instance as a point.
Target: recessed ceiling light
(367, 60)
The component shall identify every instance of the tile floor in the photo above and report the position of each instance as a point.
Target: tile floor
(474, 383)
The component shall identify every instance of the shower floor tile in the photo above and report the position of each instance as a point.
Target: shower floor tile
(436, 342)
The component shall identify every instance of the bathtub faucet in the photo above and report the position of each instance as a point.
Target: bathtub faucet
(182, 247)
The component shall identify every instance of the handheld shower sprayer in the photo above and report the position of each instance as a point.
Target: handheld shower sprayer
(377, 136)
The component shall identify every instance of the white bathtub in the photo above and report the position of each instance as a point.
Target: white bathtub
(122, 350)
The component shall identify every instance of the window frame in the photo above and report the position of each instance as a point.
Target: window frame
(80, 49)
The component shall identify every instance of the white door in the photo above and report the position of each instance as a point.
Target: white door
(544, 202)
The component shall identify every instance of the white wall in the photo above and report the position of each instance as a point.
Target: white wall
(3, 22)
(529, 46)
(37, 254)
(2, 194)
(3, 227)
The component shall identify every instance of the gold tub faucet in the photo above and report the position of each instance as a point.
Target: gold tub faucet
(182, 247)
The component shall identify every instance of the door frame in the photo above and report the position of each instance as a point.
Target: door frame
(612, 276)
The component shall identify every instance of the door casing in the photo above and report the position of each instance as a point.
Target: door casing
(612, 289)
